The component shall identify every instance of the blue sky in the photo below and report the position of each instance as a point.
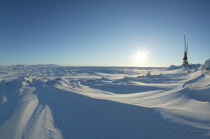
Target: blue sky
(103, 32)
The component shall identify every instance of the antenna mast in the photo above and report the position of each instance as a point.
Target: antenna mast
(185, 62)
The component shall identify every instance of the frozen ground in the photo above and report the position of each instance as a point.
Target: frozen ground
(103, 102)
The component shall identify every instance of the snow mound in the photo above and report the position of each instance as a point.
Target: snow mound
(190, 67)
(148, 73)
(207, 63)
(173, 67)
(195, 66)
(206, 66)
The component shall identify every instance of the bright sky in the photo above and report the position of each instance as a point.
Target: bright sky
(104, 32)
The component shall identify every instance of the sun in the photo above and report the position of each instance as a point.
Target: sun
(140, 57)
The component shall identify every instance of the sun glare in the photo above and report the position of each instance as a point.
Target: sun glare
(140, 57)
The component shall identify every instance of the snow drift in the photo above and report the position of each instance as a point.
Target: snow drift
(103, 102)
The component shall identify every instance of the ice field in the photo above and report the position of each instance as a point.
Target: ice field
(48, 101)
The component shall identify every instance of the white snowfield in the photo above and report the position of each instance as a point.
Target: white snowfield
(44, 102)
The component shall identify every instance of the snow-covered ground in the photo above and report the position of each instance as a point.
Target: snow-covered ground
(48, 101)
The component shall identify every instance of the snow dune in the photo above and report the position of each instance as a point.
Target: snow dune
(103, 102)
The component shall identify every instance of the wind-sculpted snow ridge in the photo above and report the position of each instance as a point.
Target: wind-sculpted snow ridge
(103, 102)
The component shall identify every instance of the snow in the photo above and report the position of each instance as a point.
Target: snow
(48, 101)
(173, 67)
(206, 64)
(206, 67)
